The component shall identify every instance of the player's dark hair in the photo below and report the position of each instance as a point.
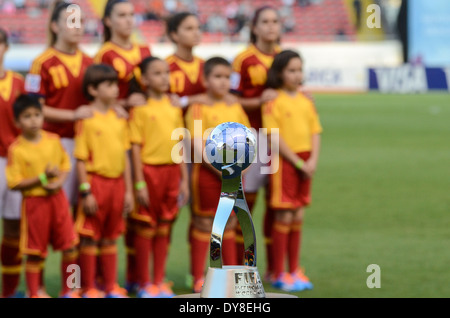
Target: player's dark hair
(173, 22)
(281, 60)
(135, 85)
(57, 7)
(213, 62)
(255, 21)
(145, 63)
(109, 7)
(95, 75)
(23, 102)
(3, 36)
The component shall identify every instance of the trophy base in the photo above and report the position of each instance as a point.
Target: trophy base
(233, 282)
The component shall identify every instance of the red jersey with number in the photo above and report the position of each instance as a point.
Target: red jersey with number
(11, 86)
(249, 77)
(124, 61)
(58, 78)
(186, 77)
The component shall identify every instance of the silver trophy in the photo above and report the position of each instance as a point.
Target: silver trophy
(231, 148)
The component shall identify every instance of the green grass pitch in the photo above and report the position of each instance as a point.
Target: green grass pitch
(381, 195)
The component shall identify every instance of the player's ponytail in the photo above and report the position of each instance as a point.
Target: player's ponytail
(3, 37)
(107, 33)
(255, 21)
(55, 12)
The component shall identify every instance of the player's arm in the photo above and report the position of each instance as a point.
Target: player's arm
(184, 185)
(311, 164)
(129, 198)
(254, 103)
(57, 183)
(88, 200)
(291, 156)
(26, 184)
(139, 181)
(63, 115)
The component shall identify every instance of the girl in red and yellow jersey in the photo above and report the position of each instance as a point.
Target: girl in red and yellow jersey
(56, 76)
(186, 69)
(118, 50)
(206, 180)
(160, 177)
(37, 166)
(101, 146)
(298, 130)
(11, 86)
(249, 83)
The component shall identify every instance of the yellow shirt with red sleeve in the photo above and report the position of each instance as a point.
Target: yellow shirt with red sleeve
(102, 142)
(249, 77)
(153, 126)
(295, 117)
(186, 77)
(124, 61)
(58, 78)
(206, 186)
(11, 86)
(28, 160)
(213, 115)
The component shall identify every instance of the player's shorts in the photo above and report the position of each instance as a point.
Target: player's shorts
(163, 185)
(205, 191)
(71, 184)
(289, 189)
(10, 201)
(46, 220)
(108, 222)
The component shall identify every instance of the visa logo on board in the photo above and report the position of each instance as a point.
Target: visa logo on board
(409, 79)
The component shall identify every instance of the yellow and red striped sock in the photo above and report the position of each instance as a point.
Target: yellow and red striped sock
(280, 234)
(160, 251)
(108, 259)
(143, 243)
(11, 260)
(198, 250)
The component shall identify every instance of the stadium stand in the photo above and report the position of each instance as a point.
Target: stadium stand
(319, 20)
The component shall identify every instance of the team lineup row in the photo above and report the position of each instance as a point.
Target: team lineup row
(94, 135)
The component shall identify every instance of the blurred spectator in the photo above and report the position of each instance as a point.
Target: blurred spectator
(15, 36)
(43, 4)
(287, 16)
(357, 9)
(243, 15)
(154, 10)
(288, 3)
(171, 6)
(188, 5)
(20, 4)
(303, 3)
(9, 7)
(217, 23)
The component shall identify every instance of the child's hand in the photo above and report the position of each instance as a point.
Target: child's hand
(142, 197)
(309, 168)
(51, 171)
(90, 206)
(175, 100)
(268, 95)
(120, 111)
(83, 112)
(53, 186)
(184, 193)
(136, 99)
(128, 204)
(231, 99)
